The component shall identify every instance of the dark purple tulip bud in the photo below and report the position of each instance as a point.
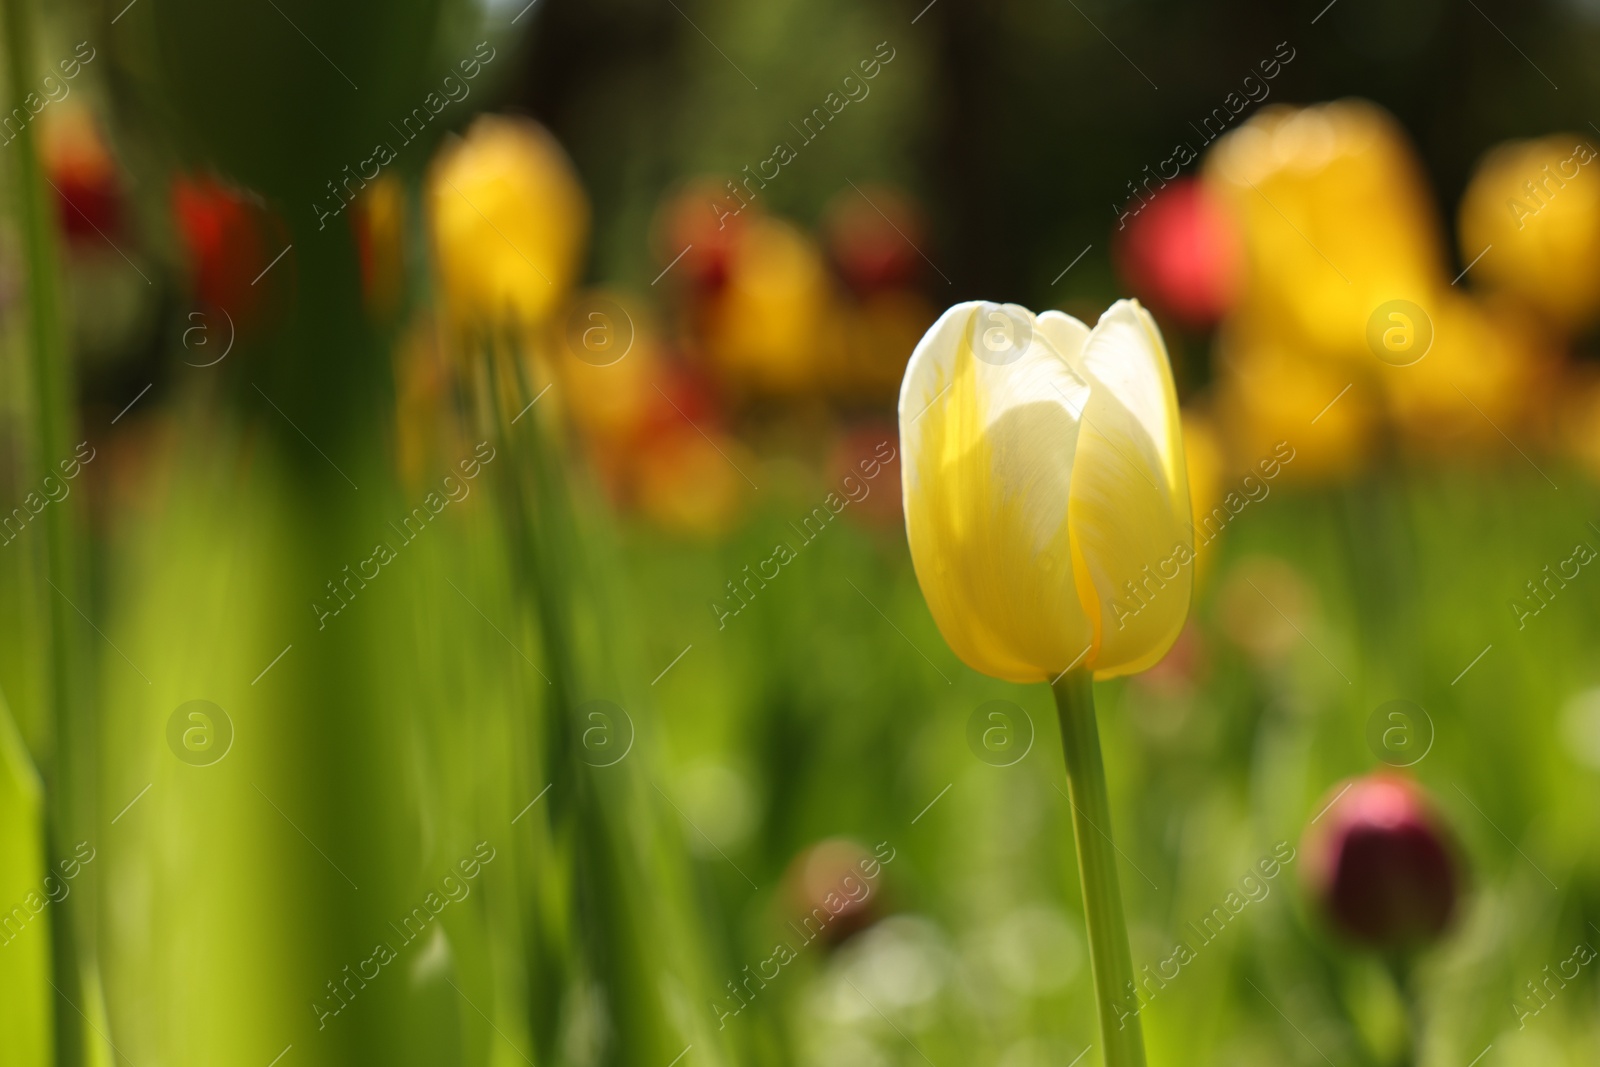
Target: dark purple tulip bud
(1381, 864)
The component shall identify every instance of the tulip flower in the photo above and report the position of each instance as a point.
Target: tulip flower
(1336, 218)
(509, 221)
(832, 891)
(873, 243)
(1531, 204)
(1381, 864)
(1047, 508)
(772, 329)
(695, 242)
(1046, 499)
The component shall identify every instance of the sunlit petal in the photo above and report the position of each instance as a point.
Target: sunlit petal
(1131, 525)
(988, 416)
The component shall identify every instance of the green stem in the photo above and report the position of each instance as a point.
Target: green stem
(69, 768)
(1400, 966)
(1109, 959)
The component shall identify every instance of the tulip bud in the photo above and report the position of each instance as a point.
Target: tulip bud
(1382, 865)
(1045, 490)
(379, 218)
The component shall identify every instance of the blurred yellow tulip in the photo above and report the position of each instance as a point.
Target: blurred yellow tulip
(611, 394)
(508, 222)
(1535, 207)
(773, 329)
(1336, 220)
(1486, 370)
(1267, 393)
(1046, 495)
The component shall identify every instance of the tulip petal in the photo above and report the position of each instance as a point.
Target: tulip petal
(1130, 520)
(988, 428)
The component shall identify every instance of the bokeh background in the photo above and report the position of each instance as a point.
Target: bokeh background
(603, 352)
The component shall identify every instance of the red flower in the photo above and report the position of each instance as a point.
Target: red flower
(1180, 255)
(231, 240)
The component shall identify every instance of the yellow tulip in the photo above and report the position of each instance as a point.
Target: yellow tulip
(1270, 392)
(508, 221)
(1488, 371)
(1337, 219)
(1046, 495)
(773, 329)
(1534, 216)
